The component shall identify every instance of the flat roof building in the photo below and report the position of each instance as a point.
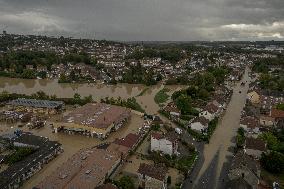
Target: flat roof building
(37, 106)
(97, 119)
(86, 169)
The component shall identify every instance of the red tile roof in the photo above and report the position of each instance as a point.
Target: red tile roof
(249, 121)
(157, 136)
(129, 141)
(256, 144)
(275, 113)
(211, 108)
(154, 171)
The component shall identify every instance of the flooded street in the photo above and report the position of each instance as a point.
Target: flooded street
(211, 170)
(71, 144)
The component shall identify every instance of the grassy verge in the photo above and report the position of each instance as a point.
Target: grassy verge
(143, 92)
(128, 103)
(162, 96)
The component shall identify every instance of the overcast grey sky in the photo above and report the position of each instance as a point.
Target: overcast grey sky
(178, 20)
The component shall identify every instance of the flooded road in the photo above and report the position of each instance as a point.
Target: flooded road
(214, 161)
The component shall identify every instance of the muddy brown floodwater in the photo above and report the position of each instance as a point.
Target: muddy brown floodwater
(70, 143)
(73, 143)
(98, 91)
(222, 139)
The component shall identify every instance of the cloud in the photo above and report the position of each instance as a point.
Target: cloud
(35, 21)
(147, 19)
(258, 31)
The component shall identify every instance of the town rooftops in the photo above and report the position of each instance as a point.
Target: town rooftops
(36, 103)
(97, 115)
(241, 159)
(239, 183)
(256, 144)
(249, 121)
(170, 136)
(157, 136)
(154, 171)
(200, 119)
(44, 149)
(211, 108)
(275, 113)
(129, 141)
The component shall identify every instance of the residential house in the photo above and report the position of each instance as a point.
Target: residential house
(152, 176)
(167, 144)
(130, 141)
(250, 124)
(199, 124)
(29, 67)
(255, 147)
(172, 109)
(41, 68)
(244, 171)
(210, 112)
(266, 121)
(268, 102)
(277, 114)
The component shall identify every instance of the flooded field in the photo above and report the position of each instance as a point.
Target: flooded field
(52, 87)
(98, 91)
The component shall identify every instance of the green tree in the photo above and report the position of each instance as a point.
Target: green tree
(272, 141)
(29, 74)
(183, 103)
(126, 182)
(77, 98)
(273, 162)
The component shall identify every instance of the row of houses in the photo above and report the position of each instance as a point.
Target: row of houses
(212, 110)
(261, 113)
(45, 151)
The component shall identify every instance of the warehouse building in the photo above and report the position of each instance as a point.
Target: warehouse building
(36, 106)
(84, 170)
(94, 119)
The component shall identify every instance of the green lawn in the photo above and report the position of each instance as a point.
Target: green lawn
(162, 96)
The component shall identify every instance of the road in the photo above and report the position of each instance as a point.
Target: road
(211, 168)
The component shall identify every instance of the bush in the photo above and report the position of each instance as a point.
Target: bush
(162, 96)
(19, 154)
(125, 182)
(169, 180)
(273, 162)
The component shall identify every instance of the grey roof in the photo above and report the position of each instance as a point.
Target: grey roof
(241, 159)
(45, 147)
(239, 183)
(36, 103)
